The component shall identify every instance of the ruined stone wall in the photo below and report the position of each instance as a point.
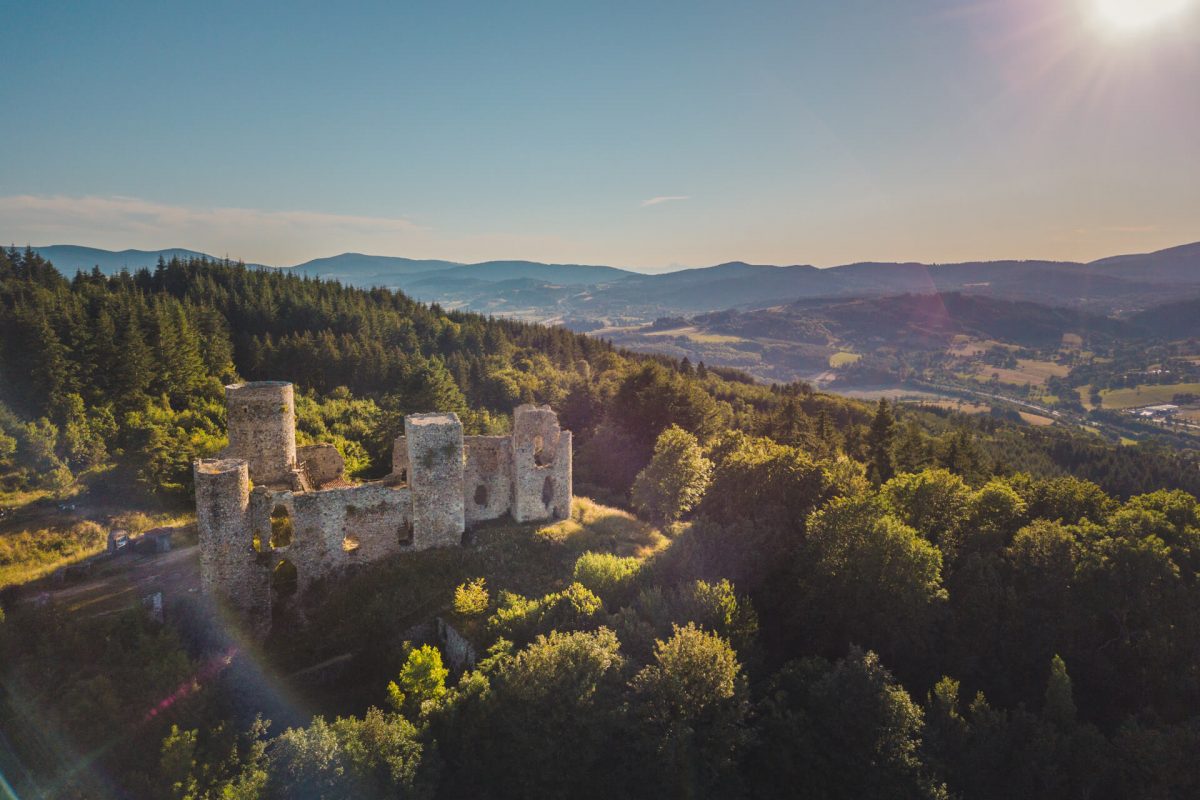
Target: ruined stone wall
(542, 476)
(435, 476)
(230, 567)
(335, 528)
(302, 516)
(321, 464)
(487, 478)
(262, 429)
(400, 460)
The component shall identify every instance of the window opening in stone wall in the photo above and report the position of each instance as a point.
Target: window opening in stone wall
(548, 491)
(350, 542)
(405, 532)
(256, 542)
(481, 495)
(285, 580)
(539, 450)
(281, 527)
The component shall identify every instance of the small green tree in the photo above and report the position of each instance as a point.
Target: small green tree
(471, 598)
(675, 479)
(422, 679)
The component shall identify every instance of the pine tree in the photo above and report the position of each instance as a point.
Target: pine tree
(133, 371)
(879, 443)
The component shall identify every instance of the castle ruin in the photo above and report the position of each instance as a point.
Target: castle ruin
(273, 517)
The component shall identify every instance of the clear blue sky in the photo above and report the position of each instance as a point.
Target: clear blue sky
(773, 132)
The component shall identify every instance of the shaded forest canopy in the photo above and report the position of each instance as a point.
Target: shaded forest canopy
(840, 600)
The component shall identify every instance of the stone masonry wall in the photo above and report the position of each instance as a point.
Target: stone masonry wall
(229, 566)
(487, 478)
(435, 475)
(542, 476)
(322, 463)
(302, 512)
(262, 429)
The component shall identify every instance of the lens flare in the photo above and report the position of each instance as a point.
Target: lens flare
(1130, 16)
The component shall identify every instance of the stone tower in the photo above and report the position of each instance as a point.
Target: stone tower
(541, 454)
(262, 429)
(230, 567)
(435, 475)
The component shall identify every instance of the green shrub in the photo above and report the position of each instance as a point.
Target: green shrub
(471, 598)
(603, 572)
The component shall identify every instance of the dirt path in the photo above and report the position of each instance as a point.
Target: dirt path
(122, 582)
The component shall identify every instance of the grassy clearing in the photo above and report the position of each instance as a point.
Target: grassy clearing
(1144, 395)
(29, 555)
(961, 406)
(601, 528)
(53, 541)
(694, 335)
(1037, 420)
(20, 499)
(1027, 371)
(842, 359)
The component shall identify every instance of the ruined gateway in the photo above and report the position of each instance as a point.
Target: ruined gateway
(270, 513)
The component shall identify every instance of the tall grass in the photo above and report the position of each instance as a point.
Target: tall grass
(29, 555)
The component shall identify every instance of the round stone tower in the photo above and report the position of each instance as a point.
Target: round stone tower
(229, 565)
(262, 429)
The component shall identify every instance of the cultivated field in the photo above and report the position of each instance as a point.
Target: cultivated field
(1145, 395)
(843, 358)
(1027, 371)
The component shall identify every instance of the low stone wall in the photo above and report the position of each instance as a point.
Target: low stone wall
(322, 464)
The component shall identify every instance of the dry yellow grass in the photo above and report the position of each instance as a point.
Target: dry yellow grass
(842, 359)
(1036, 420)
(596, 527)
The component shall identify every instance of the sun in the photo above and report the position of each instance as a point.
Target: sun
(1131, 16)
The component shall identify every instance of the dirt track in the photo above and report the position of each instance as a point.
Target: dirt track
(121, 582)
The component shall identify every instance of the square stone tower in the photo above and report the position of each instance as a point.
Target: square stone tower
(541, 465)
(435, 475)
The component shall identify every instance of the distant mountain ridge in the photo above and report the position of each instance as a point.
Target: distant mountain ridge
(1118, 284)
(71, 258)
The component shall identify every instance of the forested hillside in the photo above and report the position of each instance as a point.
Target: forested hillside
(817, 597)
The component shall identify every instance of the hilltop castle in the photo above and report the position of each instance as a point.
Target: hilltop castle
(273, 517)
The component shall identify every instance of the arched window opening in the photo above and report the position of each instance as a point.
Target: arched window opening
(285, 580)
(481, 496)
(350, 542)
(281, 527)
(256, 543)
(548, 491)
(405, 532)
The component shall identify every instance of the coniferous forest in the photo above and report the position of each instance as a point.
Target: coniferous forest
(763, 591)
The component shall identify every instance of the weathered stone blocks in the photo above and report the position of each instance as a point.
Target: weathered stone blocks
(262, 429)
(302, 521)
(435, 475)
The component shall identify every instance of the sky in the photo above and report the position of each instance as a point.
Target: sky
(647, 135)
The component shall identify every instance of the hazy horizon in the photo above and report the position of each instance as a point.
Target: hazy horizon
(644, 270)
